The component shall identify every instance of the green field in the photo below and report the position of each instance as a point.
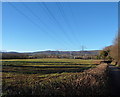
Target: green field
(26, 73)
(45, 66)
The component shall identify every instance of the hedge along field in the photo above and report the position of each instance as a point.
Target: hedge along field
(39, 76)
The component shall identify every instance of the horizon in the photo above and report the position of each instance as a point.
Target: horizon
(65, 26)
(47, 50)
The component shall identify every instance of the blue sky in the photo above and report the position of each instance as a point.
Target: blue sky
(58, 26)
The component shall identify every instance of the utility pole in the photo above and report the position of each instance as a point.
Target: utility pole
(82, 49)
(70, 54)
(58, 52)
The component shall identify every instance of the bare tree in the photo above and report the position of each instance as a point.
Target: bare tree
(115, 50)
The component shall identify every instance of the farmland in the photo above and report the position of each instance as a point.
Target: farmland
(32, 76)
(45, 66)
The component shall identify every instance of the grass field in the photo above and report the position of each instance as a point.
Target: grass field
(45, 66)
(26, 74)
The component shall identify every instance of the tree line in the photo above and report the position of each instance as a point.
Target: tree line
(14, 56)
(37, 56)
(112, 53)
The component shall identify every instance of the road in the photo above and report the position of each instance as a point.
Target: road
(114, 82)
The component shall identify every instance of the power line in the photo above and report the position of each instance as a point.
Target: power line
(60, 6)
(56, 22)
(36, 25)
(53, 21)
(72, 13)
(63, 16)
(53, 35)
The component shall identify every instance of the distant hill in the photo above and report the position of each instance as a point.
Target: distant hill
(91, 52)
(49, 54)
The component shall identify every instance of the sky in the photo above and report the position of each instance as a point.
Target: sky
(39, 26)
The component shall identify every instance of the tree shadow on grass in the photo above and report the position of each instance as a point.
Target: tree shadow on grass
(32, 62)
(48, 70)
(57, 66)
